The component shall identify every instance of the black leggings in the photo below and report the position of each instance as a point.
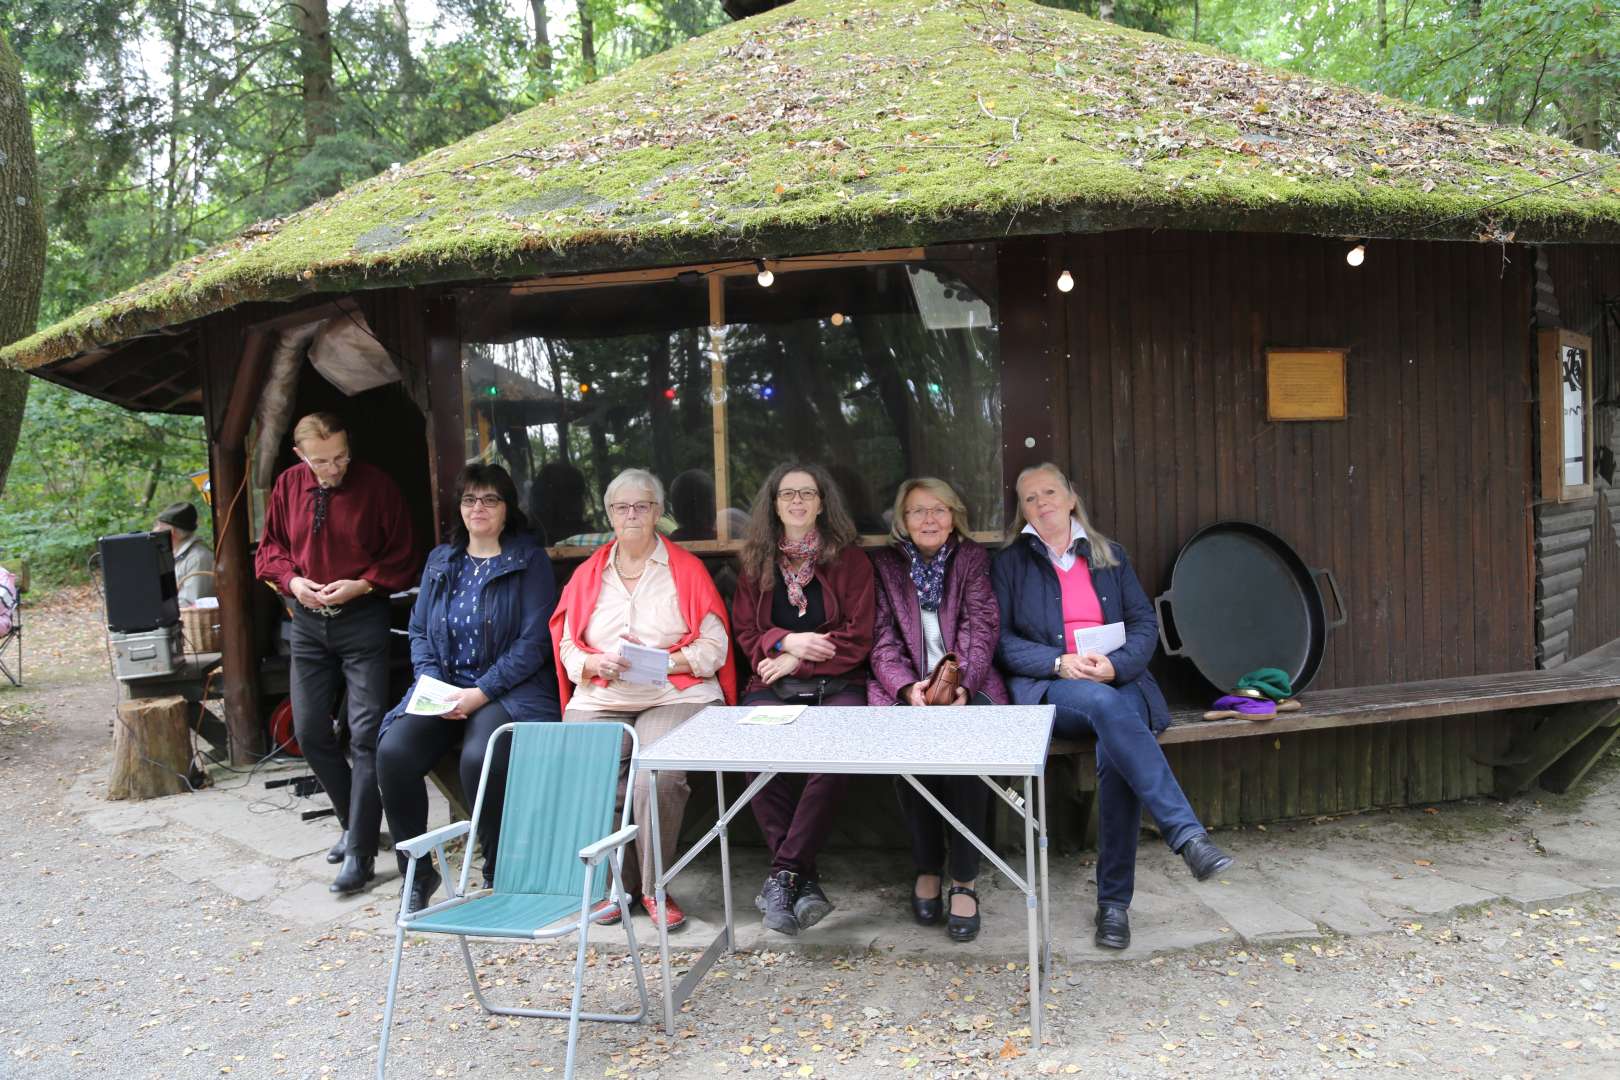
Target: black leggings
(968, 798)
(410, 748)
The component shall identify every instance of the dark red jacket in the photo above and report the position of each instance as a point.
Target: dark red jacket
(969, 620)
(846, 590)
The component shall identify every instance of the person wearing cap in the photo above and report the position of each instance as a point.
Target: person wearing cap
(193, 561)
(338, 539)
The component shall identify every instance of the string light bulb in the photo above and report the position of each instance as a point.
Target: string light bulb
(1356, 255)
(1065, 282)
(669, 393)
(837, 318)
(765, 278)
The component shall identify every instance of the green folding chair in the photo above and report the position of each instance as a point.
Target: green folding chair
(557, 846)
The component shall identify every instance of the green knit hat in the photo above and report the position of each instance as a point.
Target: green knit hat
(1272, 682)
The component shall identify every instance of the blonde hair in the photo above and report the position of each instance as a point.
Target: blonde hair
(940, 490)
(318, 425)
(1102, 548)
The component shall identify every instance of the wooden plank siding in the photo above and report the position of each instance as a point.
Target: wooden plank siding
(1417, 502)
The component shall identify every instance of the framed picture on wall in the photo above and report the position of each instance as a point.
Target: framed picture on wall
(1565, 390)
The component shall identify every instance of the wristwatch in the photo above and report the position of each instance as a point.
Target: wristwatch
(1057, 665)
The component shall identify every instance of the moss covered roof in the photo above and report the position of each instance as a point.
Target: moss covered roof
(843, 125)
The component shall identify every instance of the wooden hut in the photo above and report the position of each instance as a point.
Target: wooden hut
(996, 234)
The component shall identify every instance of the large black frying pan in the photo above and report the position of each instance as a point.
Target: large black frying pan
(1239, 599)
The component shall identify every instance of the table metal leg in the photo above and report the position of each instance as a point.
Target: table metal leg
(725, 857)
(1032, 893)
(1046, 874)
(658, 897)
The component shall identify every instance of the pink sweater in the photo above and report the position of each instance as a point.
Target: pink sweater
(1081, 609)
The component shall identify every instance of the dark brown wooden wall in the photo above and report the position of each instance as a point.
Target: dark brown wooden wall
(1419, 502)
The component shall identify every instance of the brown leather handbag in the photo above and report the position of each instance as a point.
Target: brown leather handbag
(941, 685)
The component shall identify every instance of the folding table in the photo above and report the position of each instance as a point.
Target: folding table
(984, 741)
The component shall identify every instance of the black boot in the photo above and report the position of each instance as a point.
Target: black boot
(1113, 927)
(354, 875)
(423, 886)
(775, 902)
(335, 853)
(1203, 858)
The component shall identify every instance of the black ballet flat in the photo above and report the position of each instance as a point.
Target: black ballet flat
(926, 909)
(964, 928)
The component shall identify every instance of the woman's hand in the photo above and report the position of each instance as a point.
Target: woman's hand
(775, 667)
(812, 647)
(604, 666)
(913, 694)
(1071, 666)
(1097, 668)
(467, 702)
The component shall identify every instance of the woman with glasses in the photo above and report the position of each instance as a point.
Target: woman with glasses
(934, 598)
(803, 612)
(640, 590)
(479, 624)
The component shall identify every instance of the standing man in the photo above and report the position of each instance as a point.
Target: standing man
(193, 562)
(338, 540)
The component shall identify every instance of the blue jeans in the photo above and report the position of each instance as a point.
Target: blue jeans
(1131, 773)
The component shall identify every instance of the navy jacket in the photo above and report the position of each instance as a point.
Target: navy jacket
(516, 602)
(1031, 603)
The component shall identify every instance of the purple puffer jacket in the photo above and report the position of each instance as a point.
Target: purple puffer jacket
(968, 618)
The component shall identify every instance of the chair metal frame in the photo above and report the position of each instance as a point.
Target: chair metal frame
(610, 847)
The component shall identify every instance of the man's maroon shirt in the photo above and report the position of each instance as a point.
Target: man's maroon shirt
(367, 532)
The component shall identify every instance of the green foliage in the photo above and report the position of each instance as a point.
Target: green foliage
(85, 469)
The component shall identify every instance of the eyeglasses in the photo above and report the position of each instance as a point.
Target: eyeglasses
(626, 509)
(793, 495)
(322, 463)
(921, 513)
(488, 502)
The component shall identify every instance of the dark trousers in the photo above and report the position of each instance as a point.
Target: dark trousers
(966, 797)
(410, 748)
(1131, 773)
(795, 819)
(350, 649)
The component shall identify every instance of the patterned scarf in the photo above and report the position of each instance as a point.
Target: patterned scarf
(796, 559)
(929, 574)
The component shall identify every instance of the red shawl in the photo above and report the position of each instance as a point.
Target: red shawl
(694, 591)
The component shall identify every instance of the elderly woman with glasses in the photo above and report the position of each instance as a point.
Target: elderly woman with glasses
(642, 590)
(804, 620)
(934, 598)
(479, 624)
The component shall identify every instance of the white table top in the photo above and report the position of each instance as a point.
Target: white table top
(996, 740)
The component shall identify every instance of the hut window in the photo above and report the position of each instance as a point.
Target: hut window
(877, 371)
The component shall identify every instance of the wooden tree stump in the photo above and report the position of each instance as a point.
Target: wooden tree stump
(151, 749)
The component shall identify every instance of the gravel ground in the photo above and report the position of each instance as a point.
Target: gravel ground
(115, 967)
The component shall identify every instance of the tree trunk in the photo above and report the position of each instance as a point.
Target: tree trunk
(151, 749)
(1383, 25)
(22, 244)
(402, 44)
(315, 69)
(1105, 11)
(587, 41)
(542, 59)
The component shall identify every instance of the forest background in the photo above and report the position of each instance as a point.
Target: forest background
(165, 126)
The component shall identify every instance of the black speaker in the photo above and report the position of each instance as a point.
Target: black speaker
(137, 570)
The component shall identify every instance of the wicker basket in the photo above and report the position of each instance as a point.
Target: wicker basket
(200, 629)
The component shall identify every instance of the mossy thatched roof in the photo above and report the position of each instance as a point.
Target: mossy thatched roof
(843, 125)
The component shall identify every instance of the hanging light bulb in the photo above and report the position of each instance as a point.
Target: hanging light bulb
(1065, 282)
(1356, 255)
(765, 277)
(837, 318)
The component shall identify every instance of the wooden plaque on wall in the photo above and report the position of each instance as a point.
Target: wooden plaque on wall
(1306, 384)
(1564, 388)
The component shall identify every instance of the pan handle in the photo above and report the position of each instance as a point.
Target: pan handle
(1325, 574)
(1159, 606)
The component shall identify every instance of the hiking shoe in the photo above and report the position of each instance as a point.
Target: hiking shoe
(775, 902)
(810, 904)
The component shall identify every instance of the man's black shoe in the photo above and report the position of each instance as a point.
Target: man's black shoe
(810, 904)
(335, 853)
(356, 872)
(1203, 858)
(1113, 927)
(775, 902)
